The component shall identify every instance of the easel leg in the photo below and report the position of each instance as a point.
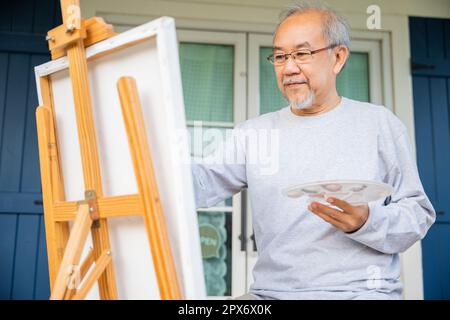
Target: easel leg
(100, 266)
(56, 232)
(88, 145)
(106, 282)
(73, 251)
(153, 214)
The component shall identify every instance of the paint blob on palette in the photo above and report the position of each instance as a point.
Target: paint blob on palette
(355, 192)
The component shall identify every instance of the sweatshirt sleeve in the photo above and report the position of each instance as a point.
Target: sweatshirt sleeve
(221, 175)
(394, 227)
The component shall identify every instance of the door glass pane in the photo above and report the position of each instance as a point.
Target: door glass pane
(352, 82)
(215, 237)
(207, 75)
(271, 98)
(204, 140)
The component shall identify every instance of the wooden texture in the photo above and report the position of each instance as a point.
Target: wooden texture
(72, 255)
(65, 250)
(96, 30)
(148, 190)
(57, 233)
(100, 265)
(118, 206)
(87, 263)
(88, 145)
(60, 38)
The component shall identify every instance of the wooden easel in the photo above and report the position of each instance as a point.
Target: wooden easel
(64, 246)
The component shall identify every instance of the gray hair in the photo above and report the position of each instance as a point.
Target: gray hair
(336, 30)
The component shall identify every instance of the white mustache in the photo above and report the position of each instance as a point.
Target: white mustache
(291, 81)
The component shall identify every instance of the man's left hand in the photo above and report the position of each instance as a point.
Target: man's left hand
(349, 220)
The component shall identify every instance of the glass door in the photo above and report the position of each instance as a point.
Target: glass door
(213, 71)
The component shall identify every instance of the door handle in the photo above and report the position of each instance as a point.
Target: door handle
(421, 66)
(254, 242)
(243, 235)
(38, 202)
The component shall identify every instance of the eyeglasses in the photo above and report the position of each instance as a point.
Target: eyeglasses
(301, 56)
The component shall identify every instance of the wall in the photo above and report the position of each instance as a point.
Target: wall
(262, 17)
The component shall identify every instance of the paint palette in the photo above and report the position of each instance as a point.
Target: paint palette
(355, 192)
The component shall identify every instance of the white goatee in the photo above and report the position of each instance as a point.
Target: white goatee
(306, 103)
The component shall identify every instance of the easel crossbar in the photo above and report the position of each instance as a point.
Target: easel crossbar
(108, 207)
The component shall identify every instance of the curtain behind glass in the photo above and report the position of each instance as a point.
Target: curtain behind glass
(207, 75)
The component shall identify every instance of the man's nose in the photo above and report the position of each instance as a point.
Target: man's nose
(291, 67)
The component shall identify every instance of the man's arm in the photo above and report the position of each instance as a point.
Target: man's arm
(390, 228)
(395, 227)
(222, 175)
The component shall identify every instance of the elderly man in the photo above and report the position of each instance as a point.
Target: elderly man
(316, 251)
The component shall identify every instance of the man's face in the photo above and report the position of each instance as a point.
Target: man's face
(304, 84)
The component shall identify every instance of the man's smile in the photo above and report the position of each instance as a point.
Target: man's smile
(294, 84)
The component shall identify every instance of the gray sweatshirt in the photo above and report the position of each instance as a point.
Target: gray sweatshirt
(300, 256)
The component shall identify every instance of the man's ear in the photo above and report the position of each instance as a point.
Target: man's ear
(341, 55)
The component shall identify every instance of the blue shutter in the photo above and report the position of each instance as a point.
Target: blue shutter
(23, 257)
(430, 49)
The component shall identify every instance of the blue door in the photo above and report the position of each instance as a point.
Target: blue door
(430, 50)
(23, 257)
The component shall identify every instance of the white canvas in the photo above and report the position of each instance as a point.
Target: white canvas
(149, 54)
